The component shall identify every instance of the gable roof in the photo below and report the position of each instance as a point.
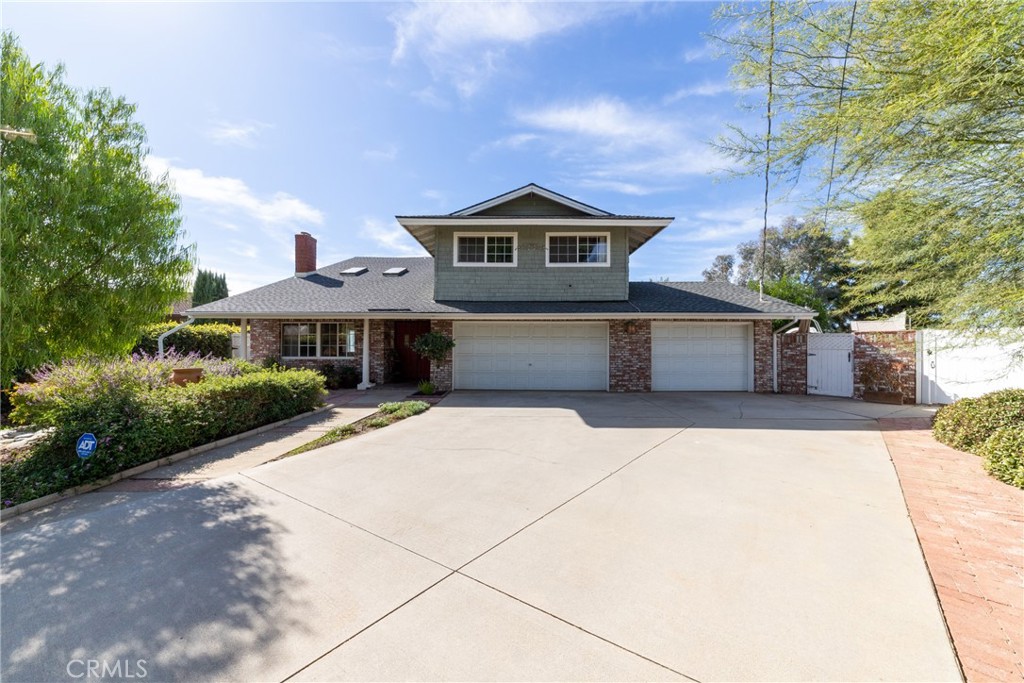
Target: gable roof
(328, 293)
(528, 189)
(570, 213)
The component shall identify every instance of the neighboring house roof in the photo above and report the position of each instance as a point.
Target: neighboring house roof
(551, 209)
(896, 323)
(373, 294)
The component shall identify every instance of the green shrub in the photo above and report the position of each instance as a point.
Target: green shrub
(39, 401)
(403, 409)
(1003, 453)
(966, 424)
(379, 422)
(339, 376)
(205, 339)
(426, 387)
(135, 425)
(433, 345)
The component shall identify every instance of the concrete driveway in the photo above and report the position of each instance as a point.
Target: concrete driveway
(511, 536)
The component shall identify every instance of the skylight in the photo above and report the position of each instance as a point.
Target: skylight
(356, 270)
(395, 272)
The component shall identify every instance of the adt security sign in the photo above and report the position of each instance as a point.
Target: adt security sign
(86, 445)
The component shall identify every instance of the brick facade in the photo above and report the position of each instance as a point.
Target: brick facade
(763, 357)
(265, 342)
(885, 361)
(441, 373)
(629, 355)
(792, 363)
(382, 350)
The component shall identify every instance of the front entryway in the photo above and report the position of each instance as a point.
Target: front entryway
(410, 366)
(521, 355)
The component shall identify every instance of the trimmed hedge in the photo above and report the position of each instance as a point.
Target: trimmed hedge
(135, 426)
(206, 339)
(968, 423)
(1003, 453)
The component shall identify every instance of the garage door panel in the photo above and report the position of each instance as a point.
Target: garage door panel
(537, 356)
(701, 357)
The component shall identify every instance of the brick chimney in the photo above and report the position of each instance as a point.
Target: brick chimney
(305, 253)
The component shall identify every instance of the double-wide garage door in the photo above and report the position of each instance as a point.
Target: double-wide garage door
(542, 355)
(701, 356)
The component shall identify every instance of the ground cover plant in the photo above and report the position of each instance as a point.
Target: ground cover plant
(387, 413)
(137, 416)
(991, 426)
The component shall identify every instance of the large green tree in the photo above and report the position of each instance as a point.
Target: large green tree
(921, 99)
(90, 244)
(209, 287)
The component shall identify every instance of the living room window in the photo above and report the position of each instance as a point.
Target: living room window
(472, 249)
(318, 340)
(578, 249)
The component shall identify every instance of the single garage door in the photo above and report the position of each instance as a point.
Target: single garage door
(701, 357)
(538, 355)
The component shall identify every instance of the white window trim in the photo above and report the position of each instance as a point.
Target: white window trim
(455, 250)
(547, 249)
(354, 353)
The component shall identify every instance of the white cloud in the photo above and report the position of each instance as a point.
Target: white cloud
(429, 97)
(466, 42)
(607, 143)
(705, 89)
(243, 133)
(234, 196)
(386, 154)
(391, 237)
(434, 196)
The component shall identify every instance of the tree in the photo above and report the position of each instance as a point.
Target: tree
(209, 287)
(921, 98)
(90, 246)
(721, 269)
(799, 293)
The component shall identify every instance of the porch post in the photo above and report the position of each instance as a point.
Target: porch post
(243, 345)
(366, 383)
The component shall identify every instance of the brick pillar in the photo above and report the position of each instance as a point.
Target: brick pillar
(382, 344)
(793, 363)
(763, 356)
(264, 339)
(629, 355)
(441, 373)
(885, 361)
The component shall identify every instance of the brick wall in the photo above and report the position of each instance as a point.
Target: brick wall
(793, 363)
(629, 355)
(265, 342)
(885, 361)
(441, 373)
(763, 356)
(382, 345)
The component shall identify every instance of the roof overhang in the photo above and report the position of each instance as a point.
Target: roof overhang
(640, 229)
(456, 315)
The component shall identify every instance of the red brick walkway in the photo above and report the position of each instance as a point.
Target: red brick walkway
(971, 529)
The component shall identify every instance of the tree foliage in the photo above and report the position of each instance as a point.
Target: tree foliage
(209, 287)
(922, 102)
(800, 293)
(721, 269)
(90, 244)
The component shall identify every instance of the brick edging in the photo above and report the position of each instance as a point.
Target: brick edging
(51, 498)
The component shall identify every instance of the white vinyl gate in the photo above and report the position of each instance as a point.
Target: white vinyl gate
(830, 364)
(951, 367)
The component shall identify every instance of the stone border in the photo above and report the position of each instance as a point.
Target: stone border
(49, 499)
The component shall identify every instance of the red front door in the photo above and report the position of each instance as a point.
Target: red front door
(411, 366)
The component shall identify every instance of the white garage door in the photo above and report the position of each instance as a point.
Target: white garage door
(531, 356)
(701, 357)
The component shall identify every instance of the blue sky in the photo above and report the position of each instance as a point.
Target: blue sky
(334, 117)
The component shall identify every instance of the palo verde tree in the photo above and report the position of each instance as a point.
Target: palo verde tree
(90, 244)
(923, 99)
(209, 287)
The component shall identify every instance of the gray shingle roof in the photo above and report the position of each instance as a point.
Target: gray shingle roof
(329, 293)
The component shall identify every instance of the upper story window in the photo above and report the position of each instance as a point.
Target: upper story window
(485, 250)
(578, 249)
(318, 340)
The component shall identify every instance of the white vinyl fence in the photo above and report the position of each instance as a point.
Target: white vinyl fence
(951, 367)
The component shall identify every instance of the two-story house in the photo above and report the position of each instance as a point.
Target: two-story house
(534, 288)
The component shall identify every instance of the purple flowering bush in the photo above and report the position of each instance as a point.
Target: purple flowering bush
(138, 417)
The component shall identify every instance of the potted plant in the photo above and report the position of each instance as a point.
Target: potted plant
(883, 382)
(182, 376)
